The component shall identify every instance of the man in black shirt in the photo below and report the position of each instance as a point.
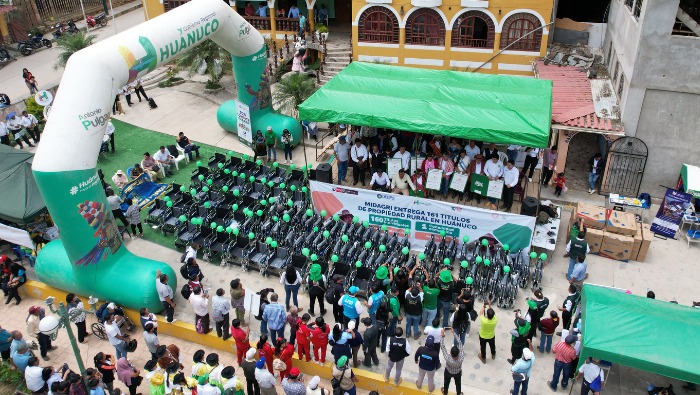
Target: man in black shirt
(398, 349)
(369, 347)
(427, 359)
(445, 283)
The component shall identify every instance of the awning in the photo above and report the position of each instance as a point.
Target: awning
(493, 108)
(690, 180)
(642, 333)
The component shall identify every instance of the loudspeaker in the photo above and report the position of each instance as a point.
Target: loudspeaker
(529, 206)
(324, 173)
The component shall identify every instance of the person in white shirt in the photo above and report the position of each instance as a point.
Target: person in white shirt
(165, 294)
(405, 157)
(109, 132)
(401, 183)
(342, 149)
(115, 337)
(15, 126)
(200, 304)
(394, 142)
(359, 156)
(33, 376)
(510, 180)
(590, 371)
(461, 167)
(380, 181)
(163, 157)
(493, 169)
(138, 88)
(4, 134)
(472, 150)
(30, 123)
(531, 160)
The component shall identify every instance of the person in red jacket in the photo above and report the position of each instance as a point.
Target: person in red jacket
(303, 337)
(548, 326)
(319, 339)
(241, 338)
(284, 351)
(265, 350)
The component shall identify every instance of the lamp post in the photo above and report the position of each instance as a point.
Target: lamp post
(50, 325)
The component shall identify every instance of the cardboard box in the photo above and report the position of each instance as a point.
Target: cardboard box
(637, 243)
(594, 238)
(593, 216)
(621, 223)
(618, 247)
(646, 241)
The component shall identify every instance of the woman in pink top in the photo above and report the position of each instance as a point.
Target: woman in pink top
(429, 163)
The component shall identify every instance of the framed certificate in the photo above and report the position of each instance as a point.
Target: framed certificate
(433, 179)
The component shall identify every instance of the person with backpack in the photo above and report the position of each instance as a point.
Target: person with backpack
(519, 339)
(200, 306)
(398, 349)
(220, 308)
(317, 288)
(593, 377)
(373, 302)
(342, 374)
(445, 283)
(389, 312)
(319, 339)
(414, 310)
(333, 295)
(352, 308)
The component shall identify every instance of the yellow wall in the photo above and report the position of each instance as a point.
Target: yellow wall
(152, 9)
(466, 59)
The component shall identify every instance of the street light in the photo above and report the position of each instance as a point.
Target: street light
(50, 325)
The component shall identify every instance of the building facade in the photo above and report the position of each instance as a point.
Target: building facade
(651, 47)
(494, 36)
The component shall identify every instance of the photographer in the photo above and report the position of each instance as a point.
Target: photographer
(487, 331)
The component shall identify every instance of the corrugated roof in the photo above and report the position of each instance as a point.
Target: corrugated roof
(572, 98)
(4, 9)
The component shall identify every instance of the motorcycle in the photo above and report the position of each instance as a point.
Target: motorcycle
(99, 19)
(62, 29)
(5, 56)
(35, 42)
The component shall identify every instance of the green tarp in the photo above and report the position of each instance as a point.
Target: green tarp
(646, 334)
(19, 195)
(493, 108)
(690, 180)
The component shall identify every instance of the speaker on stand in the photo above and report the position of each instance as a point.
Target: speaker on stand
(324, 173)
(529, 206)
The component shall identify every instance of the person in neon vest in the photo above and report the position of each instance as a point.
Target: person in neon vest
(352, 308)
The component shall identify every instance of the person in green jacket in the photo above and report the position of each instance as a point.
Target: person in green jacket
(270, 141)
(430, 300)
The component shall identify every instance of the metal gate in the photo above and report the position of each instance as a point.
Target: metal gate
(624, 168)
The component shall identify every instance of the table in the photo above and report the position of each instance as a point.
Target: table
(630, 202)
(541, 238)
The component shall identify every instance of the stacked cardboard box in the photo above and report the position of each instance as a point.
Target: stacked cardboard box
(594, 238)
(646, 241)
(621, 223)
(593, 216)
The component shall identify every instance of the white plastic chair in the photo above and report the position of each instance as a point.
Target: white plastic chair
(181, 153)
(180, 157)
(503, 157)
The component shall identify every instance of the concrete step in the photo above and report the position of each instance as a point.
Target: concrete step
(330, 63)
(338, 52)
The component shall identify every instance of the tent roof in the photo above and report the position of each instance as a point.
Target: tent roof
(642, 333)
(19, 195)
(691, 179)
(493, 108)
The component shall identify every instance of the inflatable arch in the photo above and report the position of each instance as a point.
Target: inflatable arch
(90, 258)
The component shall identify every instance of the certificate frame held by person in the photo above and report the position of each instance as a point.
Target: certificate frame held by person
(495, 189)
(459, 182)
(433, 179)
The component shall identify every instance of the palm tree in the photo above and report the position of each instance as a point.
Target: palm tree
(292, 90)
(215, 58)
(70, 44)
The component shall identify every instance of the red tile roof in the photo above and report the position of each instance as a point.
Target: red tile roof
(4, 9)
(572, 100)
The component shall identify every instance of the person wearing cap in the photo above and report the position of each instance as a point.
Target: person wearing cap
(248, 366)
(165, 159)
(359, 155)
(401, 182)
(317, 282)
(476, 166)
(523, 366)
(591, 371)
(519, 337)
(398, 349)
(294, 383)
(380, 181)
(564, 356)
(445, 283)
(266, 381)
(342, 372)
(427, 357)
(36, 314)
(205, 387)
(352, 308)
(376, 294)
(270, 141)
(120, 179)
(315, 387)
(342, 149)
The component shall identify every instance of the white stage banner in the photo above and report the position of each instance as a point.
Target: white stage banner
(422, 217)
(16, 236)
(245, 131)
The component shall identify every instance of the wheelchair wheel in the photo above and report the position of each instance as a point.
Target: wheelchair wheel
(98, 330)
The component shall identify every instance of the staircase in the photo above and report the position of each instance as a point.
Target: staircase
(337, 57)
(151, 80)
(688, 21)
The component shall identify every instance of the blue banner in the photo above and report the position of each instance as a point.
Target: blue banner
(670, 213)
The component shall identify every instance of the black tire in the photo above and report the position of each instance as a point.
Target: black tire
(98, 330)
(47, 43)
(103, 22)
(24, 50)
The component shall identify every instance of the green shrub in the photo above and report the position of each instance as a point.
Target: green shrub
(11, 380)
(34, 108)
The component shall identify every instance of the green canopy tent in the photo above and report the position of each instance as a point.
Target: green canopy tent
(20, 197)
(689, 181)
(642, 333)
(493, 108)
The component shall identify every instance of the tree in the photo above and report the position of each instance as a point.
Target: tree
(70, 44)
(291, 90)
(210, 54)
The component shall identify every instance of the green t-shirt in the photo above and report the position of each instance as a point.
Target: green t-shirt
(488, 327)
(269, 137)
(394, 306)
(430, 297)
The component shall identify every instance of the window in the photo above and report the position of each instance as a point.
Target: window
(629, 3)
(425, 27)
(637, 8)
(607, 60)
(473, 29)
(616, 71)
(518, 30)
(378, 25)
(621, 87)
(171, 4)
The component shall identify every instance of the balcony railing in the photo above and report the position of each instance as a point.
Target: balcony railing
(260, 23)
(287, 24)
(469, 43)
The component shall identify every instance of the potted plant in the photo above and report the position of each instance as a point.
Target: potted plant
(322, 31)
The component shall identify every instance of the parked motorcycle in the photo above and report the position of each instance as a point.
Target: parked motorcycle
(99, 19)
(35, 42)
(62, 29)
(5, 57)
